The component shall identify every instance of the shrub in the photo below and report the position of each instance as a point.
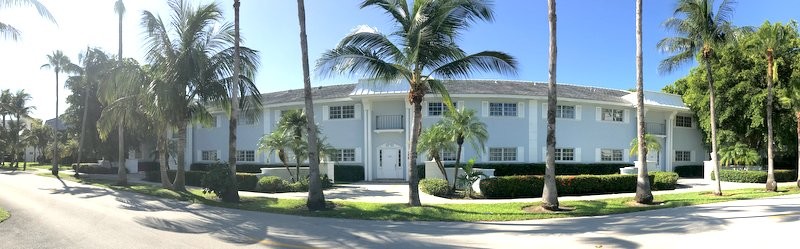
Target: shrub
(435, 187)
(561, 169)
(240, 167)
(271, 184)
(689, 171)
(93, 168)
(349, 173)
(531, 186)
(148, 166)
(246, 181)
(218, 181)
(751, 176)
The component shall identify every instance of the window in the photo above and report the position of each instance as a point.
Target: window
(245, 156)
(341, 112)
(565, 154)
(613, 115)
(438, 108)
(683, 155)
(565, 111)
(502, 154)
(245, 120)
(683, 121)
(345, 155)
(448, 155)
(209, 155)
(610, 155)
(503, 109)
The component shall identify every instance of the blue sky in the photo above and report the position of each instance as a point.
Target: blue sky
(596, 39)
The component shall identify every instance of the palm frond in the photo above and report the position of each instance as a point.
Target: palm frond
(486, 61)
(352, 60)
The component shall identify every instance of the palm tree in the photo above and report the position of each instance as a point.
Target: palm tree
(37, 135)
(59, 63)
(293, 123)
(465, 126)
(233, 196)
(549, 191)
(95, 65)
(434, 140)
(643, 193)
(738, 154)
(422, 47)
(700, 31)
(771, 43)
(277, 142)
(122, 176)
(650, 143)
(9, 31)
(792, 97)
(194, 67)
(19, 109)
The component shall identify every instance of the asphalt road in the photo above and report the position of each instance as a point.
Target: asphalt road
(47, 213)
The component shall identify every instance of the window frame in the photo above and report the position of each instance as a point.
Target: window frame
(561, 153)
(342, 112)
(616, 155)
(243, 155)
(613, 115)
(561, 109)
(503, 109)
(506, 154)
(205, 155)
(343, 153)
(683, 156)
(681, 121)
(248, 121)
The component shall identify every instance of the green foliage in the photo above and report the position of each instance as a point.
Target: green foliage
(435, 187)
(650, 141)
(531, 185)
(689, 171)
(93, 168)
(469, 177)
(271, 184)
(561, 169)
(218, 181)
(434, 140)
(754, 176)
(349, 173)
(247, 182)
(738, 154)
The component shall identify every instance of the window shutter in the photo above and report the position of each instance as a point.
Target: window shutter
(598, 116)
(358, 155)
(326, 111)
(199, 155)
(357, 110)
(691, 156)
(485, 108)
(544, 110)
(627, 116)
(577, 154)
(521, 109)
(486, 154)
(577, 112)
(460, 105)
(520, 154)
(425, 108)
(598, 154)
(219, 155)
(626, 155)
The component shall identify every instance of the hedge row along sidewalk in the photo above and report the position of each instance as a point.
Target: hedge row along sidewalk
(443, 212)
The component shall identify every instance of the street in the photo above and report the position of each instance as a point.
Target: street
(46, 213)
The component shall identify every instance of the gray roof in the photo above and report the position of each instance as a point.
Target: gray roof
(501, 87)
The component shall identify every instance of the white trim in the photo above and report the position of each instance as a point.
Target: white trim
(598, 114)
(577, 155)
(326, 112)
(532, 134)
(507, 96)
(301, 103)
(520, 109)
(544, 110)
(357, 111)
(578, 113)
(520, 154)
(626, 154)
(267, 125)
(484, 109)
(598, 155)
(425, 106)
(626, 117)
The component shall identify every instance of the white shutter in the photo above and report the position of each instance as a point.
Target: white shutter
(544, 154)
(358, 155)
(577, 154)
(460, 105)
(577, 112)
(597, 154)
(626, 155)
(486, 154)
(521, 109)
(520, 154)
(485, 108)
(199, 155)
(544, 110)
(357, 110)
(219, 155)
(326, 111)
(627, 116)
(598, 116)
(691, 155)
(424, 108)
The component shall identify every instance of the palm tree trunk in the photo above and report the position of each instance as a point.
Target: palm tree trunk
(550, 192)
(413, 178)
(316, 199)
(180, 176)
(797, 118)
(771, 184)
(122, 175)
(54, 170)
(643, 193)
(163, 152)
(711, 100)
(282, 157)
(83, 128)
(233, 196)
(458, 162)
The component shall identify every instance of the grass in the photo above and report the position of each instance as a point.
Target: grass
(36, 165)
(444, 212)
(4, 214)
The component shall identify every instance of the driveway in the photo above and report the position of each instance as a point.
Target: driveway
(47, 213)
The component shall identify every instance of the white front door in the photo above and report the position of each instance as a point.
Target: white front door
(390, 164)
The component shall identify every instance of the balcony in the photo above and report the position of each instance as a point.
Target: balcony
(655, 128)
(389, 123)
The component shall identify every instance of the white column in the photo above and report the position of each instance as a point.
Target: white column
(532, 130)
(409, 130)
(367, 141)
(267, 122)
(670, 126)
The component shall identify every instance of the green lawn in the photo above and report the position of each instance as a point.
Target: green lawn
(4, 214)
(446, 212)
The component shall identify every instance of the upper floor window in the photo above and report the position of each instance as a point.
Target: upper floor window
(613, 115)
(342, 112)
(683, 121)
(438, 108)
(245, 119)
(565, 111)
(565, 154)
(683, 156)
(209, 155)
(503, 109)
(611, 155)
(245, 156)
(502, 154)
(345, 155)
(448, 155)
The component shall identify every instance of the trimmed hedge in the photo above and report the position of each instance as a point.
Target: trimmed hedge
(97, 169)
(435, 187)
(689, 171)
(561, 169)
(750, 176)
(348, 173)
(271, 184)
(240, 167)
(344, 173)
(531, 185)
(148, 166)
(246, 181)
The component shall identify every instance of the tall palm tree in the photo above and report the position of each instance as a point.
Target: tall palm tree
(465, 126)
(233, 196)
(421, 49)
(9, 31)
(95, 64)
(20, 109)
(643, 193)
(434, 140)
(59, 63)
(549, 191)
(194, 61)
(122, 176)
(293, 124)
(792, 97)
(700, 31)
(277, 142)
(772, 42)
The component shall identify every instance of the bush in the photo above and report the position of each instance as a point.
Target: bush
(218, 181)
(148, 166)
(531, 186)
(246, 181)
(349, 173)
(750, 176)
(271, 184)
(561, 169)
(435, 187)
(93, 168)
(689, 171)
(240, 167)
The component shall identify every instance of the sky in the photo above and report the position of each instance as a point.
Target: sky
(596, 39)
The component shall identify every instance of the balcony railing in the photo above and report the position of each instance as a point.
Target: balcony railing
(655, 128)
(389, 122)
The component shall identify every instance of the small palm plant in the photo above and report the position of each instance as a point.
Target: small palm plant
(277, 142)
(466, 127)
(469, 177)
(738, 154)
(651, 144)
(433, 141)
